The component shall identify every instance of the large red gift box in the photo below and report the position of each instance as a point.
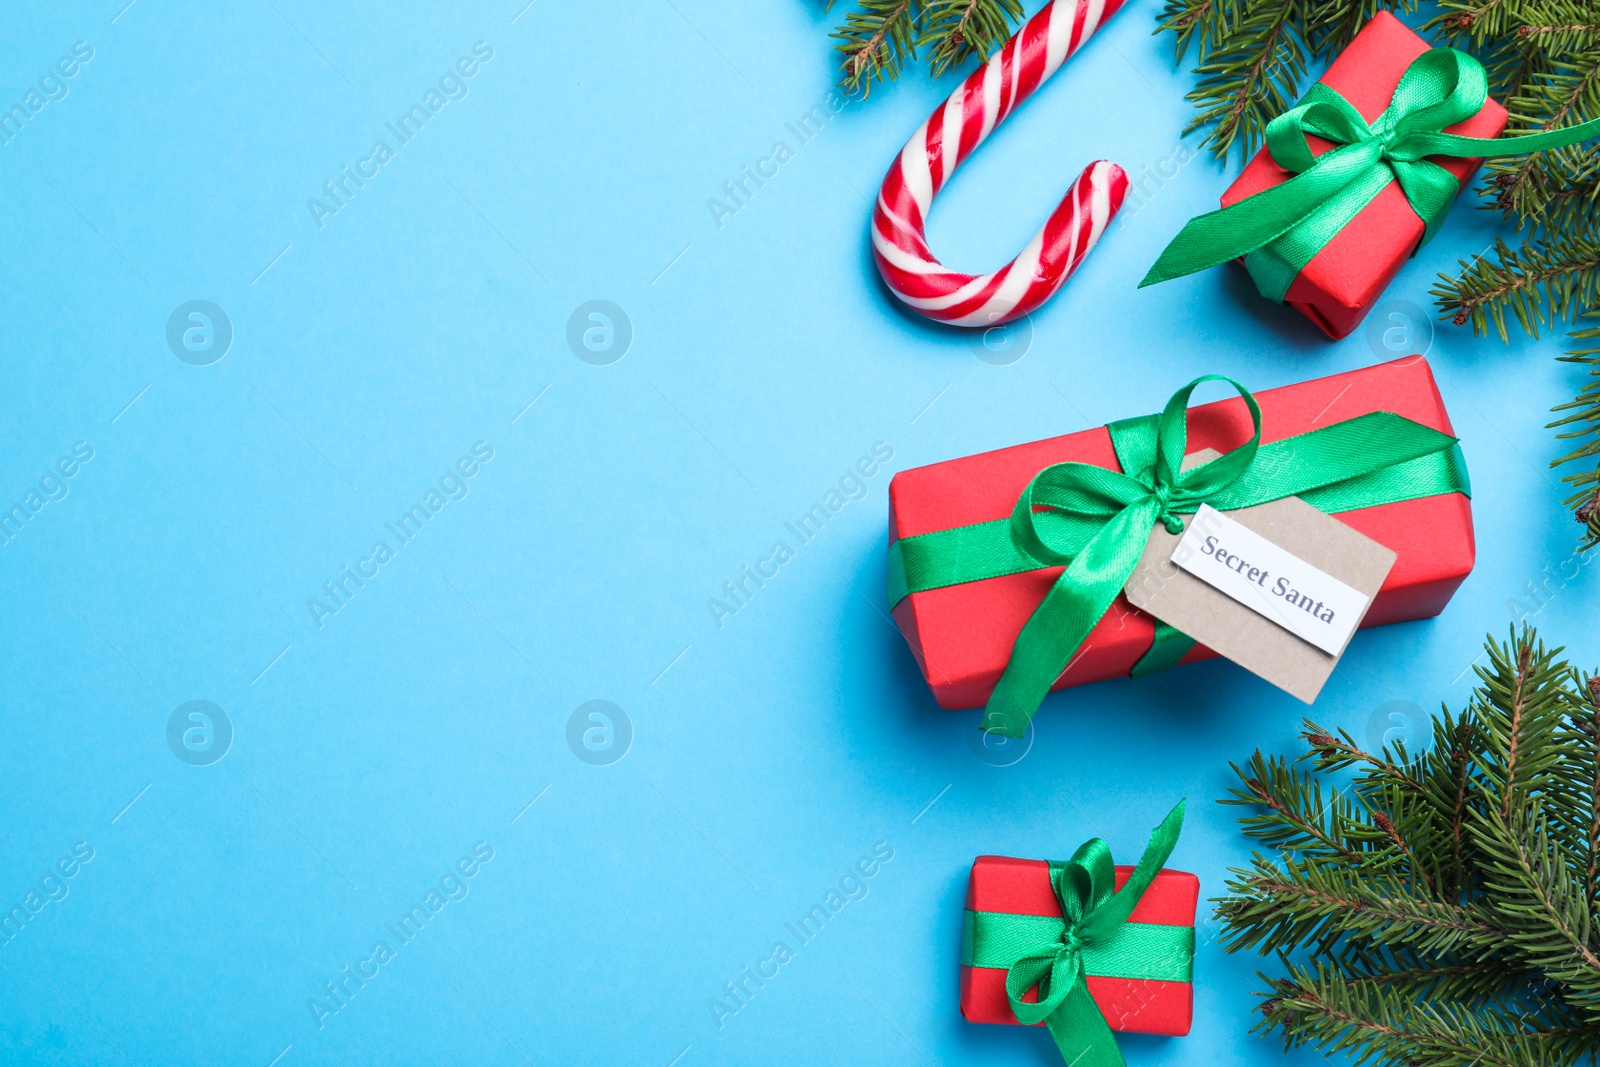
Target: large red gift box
(962, 635)
(1345, 279)
(1130, 1005)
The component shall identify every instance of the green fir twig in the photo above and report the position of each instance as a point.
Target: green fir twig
(1542, 282)
(1581, 423)
(875, 41)
(879, 37)
(955, 31)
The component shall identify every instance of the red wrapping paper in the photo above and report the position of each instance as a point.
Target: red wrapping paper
(1130, 1005)
(962, 635)
(1345, 279)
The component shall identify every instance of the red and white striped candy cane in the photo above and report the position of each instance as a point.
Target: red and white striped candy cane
(949, 136)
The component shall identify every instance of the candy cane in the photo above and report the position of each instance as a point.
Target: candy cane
(949, 136)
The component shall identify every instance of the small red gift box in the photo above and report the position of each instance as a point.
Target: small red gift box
(962, 635)
(1130, 1005)
(1345, 279)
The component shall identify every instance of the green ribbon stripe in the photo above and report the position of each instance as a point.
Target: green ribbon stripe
(1095, 522)
(1279, 230)
(986, 550)
(1139, 950)
(1092, 937)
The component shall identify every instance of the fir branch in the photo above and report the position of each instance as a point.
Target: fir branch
(1584, 739)
(1521, 704)
(1574, 820)
(1570, 90)
(1462, 928)
(1375, 1033)
(1529, 887)
(1591, 723)
(1555, 90)
(1567, 37)
(1296, 816)
(1200, 22)
(880, 36)
(965, 29)
(1475, 21)
(876, 41)
(1427, 793)
(1318, 903)
(1386, 824)
(1510, 65)
(1459, 768)
(1554, 199)
(1591, 883)
(1480, 985)
(1583, 420)
(1332, 24)
(1321, 1007)
(1559, 25)
(1251, 76)
(1337, 753)
(1550, 278)
(1516, 706)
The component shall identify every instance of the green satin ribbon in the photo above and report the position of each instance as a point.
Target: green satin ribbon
(1095, 522)
(1092, 937)
(1279, 230)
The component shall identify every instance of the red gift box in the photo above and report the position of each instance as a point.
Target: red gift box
(1130, 1005)
(962, 635)
(1345, 279)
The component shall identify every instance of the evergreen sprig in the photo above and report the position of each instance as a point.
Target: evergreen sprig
(960, 30)
(1439, 908)
(880, 36)
(1581, 423)
(1544, 281)
(876, 40)
(1249, 77)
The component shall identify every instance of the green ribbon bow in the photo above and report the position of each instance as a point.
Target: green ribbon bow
(1093, 936)
(1095, 522)
(1279, 230)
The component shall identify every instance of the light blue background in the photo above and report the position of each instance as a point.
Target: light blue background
(768, 754)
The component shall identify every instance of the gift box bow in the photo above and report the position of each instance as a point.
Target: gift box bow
(1280, 229)
(1095, 522)
(1092, 937)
